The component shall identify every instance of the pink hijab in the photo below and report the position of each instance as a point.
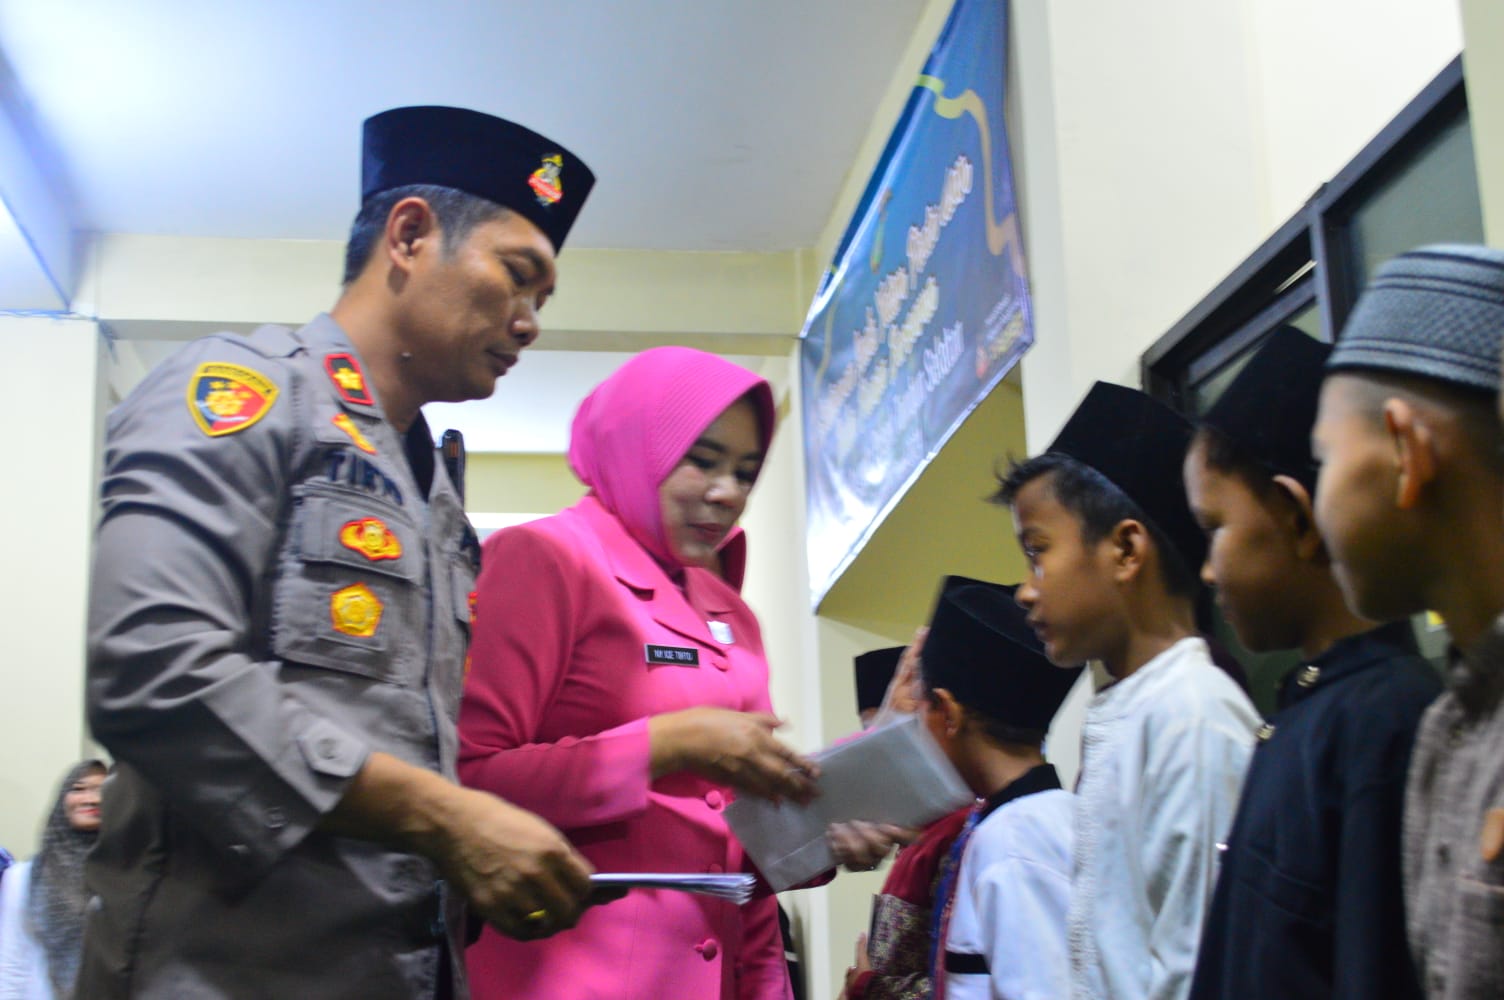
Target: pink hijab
(632, 430)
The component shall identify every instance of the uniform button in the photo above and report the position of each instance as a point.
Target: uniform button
(708, 949)
(327, 748)
(1308, 676)
(715, 869)
(1264, 732)
(714, 799)
(276, 818)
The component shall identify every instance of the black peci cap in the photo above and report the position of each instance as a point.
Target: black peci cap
(1434, 313)
(479, 154)
(982, 651)
(874, 671)
(1268, 410)
(1139, 444)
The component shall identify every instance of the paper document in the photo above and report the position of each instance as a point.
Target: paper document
(894, 773)
(737, 888)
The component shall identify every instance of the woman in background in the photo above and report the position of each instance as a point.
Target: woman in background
(42, 901)
(618, 687)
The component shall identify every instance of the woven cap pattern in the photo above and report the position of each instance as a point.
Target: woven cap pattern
(1435, 313)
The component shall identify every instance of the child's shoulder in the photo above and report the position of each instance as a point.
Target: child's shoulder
(1192, 689)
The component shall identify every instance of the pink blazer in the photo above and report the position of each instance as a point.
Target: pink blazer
(579, 637)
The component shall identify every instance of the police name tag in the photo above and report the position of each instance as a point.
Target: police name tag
(673, 656)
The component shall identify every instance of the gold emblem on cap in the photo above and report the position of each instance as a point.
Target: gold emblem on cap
(546, 181)
(355, 610)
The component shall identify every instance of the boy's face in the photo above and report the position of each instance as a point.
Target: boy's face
(1251, 560)
(1355, 504)
(1070, 593)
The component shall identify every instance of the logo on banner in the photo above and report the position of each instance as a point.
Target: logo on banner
(226, 398)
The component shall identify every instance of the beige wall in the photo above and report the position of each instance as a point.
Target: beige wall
(1156, 146)
(49, 409)
(519, 484)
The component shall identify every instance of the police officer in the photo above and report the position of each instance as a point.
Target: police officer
(280, 607)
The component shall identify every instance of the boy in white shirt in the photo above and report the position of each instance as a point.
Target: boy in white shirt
(1102, 520)
(989, 694)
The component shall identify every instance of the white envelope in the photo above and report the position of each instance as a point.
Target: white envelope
(892, 773)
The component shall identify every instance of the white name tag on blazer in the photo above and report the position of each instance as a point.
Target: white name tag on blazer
(721, 632)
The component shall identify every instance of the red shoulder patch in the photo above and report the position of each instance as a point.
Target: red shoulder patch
(349, 381)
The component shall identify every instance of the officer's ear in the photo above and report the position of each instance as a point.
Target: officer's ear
(412, 229)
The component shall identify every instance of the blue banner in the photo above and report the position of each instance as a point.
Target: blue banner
(926, 305)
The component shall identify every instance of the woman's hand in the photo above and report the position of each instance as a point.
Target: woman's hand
(731, 748)
(860, 846)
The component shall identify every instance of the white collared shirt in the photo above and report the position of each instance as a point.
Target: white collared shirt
(1163, 755)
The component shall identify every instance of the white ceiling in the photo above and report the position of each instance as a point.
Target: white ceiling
(712, 124)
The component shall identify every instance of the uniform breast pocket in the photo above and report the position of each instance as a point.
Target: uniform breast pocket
(348, 595)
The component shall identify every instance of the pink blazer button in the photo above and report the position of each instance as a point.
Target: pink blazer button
(708, 949)
(714, 799)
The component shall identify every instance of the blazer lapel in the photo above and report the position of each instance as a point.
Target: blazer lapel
(631, 565)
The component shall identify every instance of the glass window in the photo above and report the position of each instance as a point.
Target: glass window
(1431, 198)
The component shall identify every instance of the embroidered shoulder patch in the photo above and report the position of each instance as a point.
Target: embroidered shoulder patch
(355, 610)
(225, 398)
(344, 423)
(371, 538)
(349, 381)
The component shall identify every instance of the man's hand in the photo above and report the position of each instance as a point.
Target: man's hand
(517, 871)
(731, 748)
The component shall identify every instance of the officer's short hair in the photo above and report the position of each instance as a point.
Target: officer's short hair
(457, 213)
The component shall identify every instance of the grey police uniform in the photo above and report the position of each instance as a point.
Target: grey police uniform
(274, 598)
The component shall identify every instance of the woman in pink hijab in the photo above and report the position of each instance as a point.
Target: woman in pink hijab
(618, 688)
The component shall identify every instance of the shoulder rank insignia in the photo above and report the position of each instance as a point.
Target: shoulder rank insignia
(226, 398)
(546, 183)
(371, 538)
(349, 381)
(355, 610)
(344, 423)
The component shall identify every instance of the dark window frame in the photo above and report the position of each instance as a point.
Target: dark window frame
(1313, 240)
